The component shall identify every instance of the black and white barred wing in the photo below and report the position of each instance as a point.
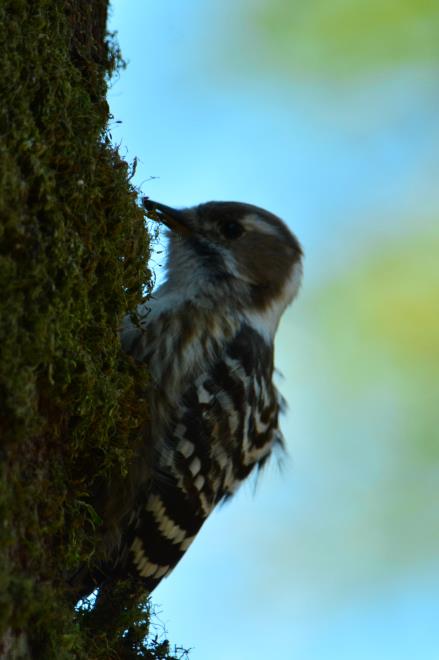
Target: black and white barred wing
(225, 424)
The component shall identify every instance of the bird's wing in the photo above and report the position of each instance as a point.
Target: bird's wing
(225, 424)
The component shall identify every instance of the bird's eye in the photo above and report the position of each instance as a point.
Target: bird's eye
(232, 229)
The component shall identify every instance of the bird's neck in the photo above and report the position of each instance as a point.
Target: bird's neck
(205, 305)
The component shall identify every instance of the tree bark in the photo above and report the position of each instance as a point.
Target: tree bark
(73, 255)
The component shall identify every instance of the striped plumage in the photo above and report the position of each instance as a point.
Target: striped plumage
(206, 337)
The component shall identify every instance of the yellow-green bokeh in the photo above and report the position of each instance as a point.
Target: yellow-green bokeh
(344, 37)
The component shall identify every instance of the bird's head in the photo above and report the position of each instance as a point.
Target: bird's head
(238, 250)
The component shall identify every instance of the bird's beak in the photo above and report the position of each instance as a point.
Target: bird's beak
(173, 218)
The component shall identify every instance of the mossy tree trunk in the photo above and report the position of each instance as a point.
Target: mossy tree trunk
(73, 257)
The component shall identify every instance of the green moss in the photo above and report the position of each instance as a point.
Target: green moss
(73, 255)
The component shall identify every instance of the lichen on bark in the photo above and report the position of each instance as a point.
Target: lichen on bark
(73, 261)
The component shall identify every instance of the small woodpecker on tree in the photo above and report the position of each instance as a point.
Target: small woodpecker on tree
(206, 337)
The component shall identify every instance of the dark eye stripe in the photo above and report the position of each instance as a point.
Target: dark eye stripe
(232, 229)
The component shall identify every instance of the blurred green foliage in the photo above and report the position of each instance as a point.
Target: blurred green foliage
(391, 295)
(365, 393)
(383, 321)
(376, 329)
(343, 38)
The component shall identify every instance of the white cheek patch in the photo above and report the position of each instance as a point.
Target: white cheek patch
(266, 322)
(293, 284)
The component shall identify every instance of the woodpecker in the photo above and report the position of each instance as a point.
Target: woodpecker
(206, 337)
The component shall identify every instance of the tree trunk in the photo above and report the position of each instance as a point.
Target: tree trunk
(73, 255)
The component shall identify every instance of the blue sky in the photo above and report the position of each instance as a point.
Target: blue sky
(303, 567)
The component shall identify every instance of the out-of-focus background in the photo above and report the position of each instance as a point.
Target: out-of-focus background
(325, 113)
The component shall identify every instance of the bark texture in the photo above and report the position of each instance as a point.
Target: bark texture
(73, 255)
